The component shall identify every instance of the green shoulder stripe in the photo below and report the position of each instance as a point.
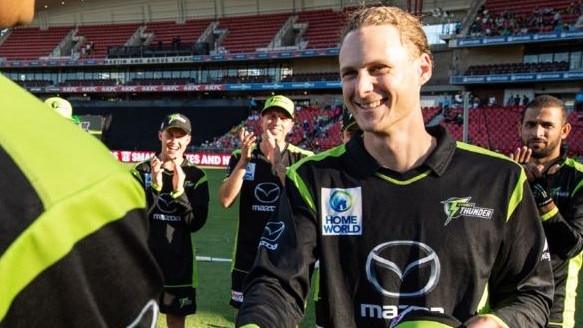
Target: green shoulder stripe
(578, 167)
(480, 150)
(518, 192)
(54, 234)
(299, 182)
(100, 183)
(296, 149)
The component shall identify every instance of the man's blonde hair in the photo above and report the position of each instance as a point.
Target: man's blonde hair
(410, 28)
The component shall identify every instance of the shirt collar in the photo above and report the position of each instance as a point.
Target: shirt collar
(361, 162)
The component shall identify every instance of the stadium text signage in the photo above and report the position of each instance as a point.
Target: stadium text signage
(518, 77)
(515, 39)
(202, 159)
(188, 87)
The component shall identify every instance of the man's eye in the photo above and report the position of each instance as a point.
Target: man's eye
(379, 69)
(347, 75)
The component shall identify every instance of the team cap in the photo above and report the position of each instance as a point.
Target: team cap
(177, 121)
(280, 102)
(61, 106)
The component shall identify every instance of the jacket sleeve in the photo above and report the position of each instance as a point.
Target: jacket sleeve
(279, 281)
(564, 231)
(521, 283)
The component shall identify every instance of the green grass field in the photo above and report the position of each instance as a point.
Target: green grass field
(216, 239)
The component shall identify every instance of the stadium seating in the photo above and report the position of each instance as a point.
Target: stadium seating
(247, 33)
(164, 32)
(491, 127)
(28, 43)
(323, 27)
(104, 36)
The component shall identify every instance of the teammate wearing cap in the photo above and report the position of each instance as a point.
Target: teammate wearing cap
(178, 200)
(256, 172)
(73, 227)
(63, 107)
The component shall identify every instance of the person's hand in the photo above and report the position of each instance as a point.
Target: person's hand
(277, 163)
(247, 139)
(178, 177)
(482, 322)
(157, 170)
(521, 155)
(270, 146)
(540, 191)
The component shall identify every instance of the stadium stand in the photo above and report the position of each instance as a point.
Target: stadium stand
(322, 27)
(247, 33)
(100, 37)
(38, 42)
(163, 34)
(241, 59)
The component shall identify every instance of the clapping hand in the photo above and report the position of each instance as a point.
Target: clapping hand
(157, 170)
(178, 177)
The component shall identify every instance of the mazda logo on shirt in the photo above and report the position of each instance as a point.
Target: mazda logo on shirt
(267, 192)
(403, 268)
(165, 203)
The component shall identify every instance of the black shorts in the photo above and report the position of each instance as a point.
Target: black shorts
(237, 280)
(178, 300)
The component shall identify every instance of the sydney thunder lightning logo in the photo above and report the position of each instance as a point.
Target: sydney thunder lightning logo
(456, 207)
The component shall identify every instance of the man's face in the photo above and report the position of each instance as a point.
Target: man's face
(543, 131)
(276, 123)
(16, 12)
(174, 142)
(381, 79)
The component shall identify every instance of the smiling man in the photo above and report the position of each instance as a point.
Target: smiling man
(401, 217)
(178, 200)
(256, 171)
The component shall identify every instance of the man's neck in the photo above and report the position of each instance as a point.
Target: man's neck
(401, 151)
(547, 162)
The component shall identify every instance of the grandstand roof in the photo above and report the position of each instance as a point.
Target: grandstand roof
(54, 9)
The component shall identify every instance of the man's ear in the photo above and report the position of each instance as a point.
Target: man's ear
(425, 68)
(565, 130)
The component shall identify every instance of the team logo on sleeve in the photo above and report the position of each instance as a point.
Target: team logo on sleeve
(455, 207)
(341, 211)
(271, 234)
(249, 172)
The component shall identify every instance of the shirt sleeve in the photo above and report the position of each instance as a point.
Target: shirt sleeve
(521, 284)
(193, 204)
(565, 230)
(279, 281)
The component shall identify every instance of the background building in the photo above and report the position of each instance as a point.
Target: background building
(124, 65)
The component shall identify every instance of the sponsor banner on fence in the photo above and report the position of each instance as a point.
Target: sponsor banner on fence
(202, 159)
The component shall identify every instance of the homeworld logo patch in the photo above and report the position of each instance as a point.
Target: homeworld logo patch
(341, 211)
(455, 207)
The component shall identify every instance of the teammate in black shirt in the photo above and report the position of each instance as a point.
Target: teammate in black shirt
(556, 181)
(73, 227)
(402, 216)
(256, 172)
(178, 200)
